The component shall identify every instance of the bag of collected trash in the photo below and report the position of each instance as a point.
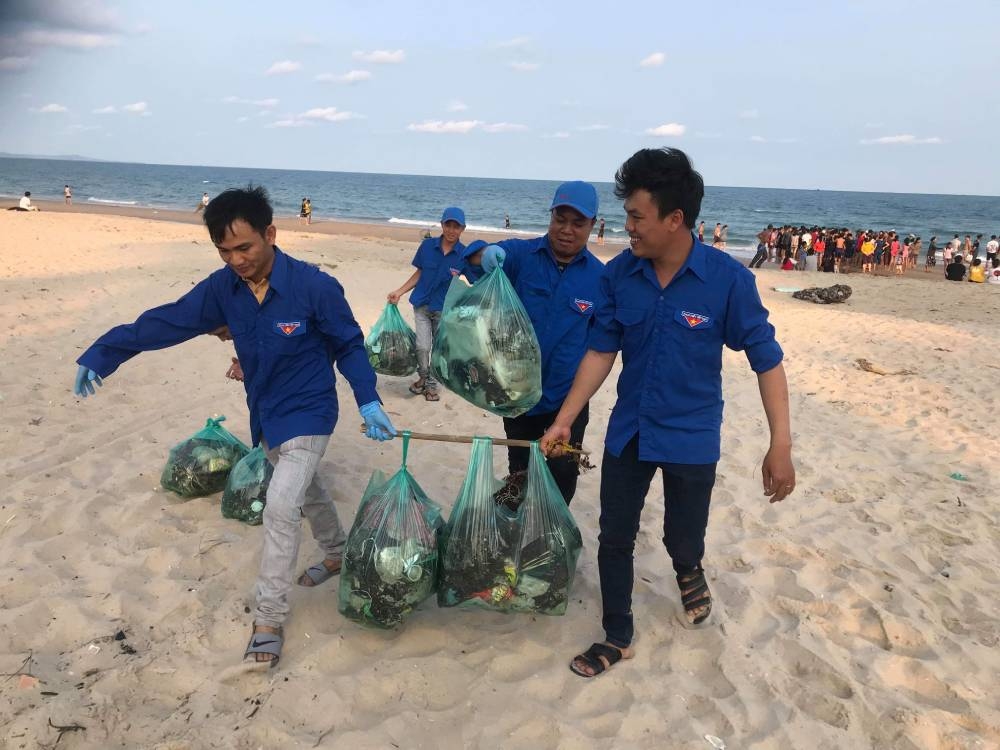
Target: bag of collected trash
(506, 561)
(550, 543)
(391, 559)
(246, 489)
(485, 349)
(392, 344)
(201, 464)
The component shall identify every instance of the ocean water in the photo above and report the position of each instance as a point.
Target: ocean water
(417, 200)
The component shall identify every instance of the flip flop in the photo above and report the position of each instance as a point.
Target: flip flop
(264, 643)
(417, 388)
(318, 574)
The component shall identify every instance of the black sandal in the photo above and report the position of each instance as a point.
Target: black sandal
(592, 659)
(695, 594)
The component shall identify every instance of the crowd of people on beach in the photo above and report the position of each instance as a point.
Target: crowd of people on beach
(874, 252)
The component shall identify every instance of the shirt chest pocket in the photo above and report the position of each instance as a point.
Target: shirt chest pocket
(285, 335)
(634, 325)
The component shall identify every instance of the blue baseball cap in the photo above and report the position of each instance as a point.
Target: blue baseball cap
(473, 247)
(577, 195)
(453, 213)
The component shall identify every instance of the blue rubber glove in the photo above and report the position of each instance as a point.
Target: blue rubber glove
(377, 424)
(493, 256)
(85, 379)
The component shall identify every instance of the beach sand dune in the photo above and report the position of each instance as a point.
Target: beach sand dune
(860, 613)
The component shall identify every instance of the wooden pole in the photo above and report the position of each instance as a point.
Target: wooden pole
(470, 438)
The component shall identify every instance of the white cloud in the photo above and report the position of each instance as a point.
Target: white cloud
(49, 109)
(442, 126)
(668, 129)
(905, 139)
(518, 41)
(70, 39)
(654, 60)
(266, 103)
(457, 106)
(283, 66)
(592, 128)
(351, 76)
(13, 63)
(749, 114)
(109, 110)
(758, 139)
(328, 114)
(242, 119)
(381, 56)
(504, 127)
(523, 67)
(557, 134)
(139, 108)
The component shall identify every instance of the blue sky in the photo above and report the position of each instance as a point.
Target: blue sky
(896, 95)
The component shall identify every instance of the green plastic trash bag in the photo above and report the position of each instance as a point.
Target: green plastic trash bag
(246, 489)
(391, 559)
(392, 344)
(522, 561)
(479, 542)
(549, 544)
(485, 349)
(201, 464)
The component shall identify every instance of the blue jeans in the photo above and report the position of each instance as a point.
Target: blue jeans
(625, 480)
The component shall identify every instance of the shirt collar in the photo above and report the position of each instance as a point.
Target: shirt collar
(696, 263)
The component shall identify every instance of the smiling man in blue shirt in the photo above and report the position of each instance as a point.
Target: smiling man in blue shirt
(558, 281)
(288, 321)
(670, 305)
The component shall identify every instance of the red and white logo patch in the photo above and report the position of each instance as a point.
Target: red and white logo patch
(694, 319)
(583, 305)
(288, 328)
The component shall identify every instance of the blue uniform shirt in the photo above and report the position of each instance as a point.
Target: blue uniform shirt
(285, 345)
(436, 271)
(670, 388)
(560, 305)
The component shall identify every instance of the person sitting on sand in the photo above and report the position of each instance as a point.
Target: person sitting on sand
(25, 203)
(955, 271)
(993, 275)
(977, 271)
(668, 300)
(290, 319)
(788, 264)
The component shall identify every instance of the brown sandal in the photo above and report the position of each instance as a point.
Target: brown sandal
(431, 394)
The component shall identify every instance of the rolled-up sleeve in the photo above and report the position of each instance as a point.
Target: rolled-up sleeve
(605, 331)
(747, 326)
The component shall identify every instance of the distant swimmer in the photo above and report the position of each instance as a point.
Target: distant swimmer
(68, 195)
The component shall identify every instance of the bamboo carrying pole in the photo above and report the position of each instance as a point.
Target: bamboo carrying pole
(470, 438)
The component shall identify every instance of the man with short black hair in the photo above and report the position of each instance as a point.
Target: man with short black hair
(669, 306)
(288, 320)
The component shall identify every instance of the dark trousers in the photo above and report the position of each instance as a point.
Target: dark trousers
(760, 257)
(687, 490)
(564, 469)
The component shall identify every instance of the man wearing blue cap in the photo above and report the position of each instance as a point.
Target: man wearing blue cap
(436, 261)
(558, 280)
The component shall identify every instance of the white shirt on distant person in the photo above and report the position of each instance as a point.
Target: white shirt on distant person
(993, 276)
(26, 203)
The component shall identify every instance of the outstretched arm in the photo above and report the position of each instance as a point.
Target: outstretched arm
(590, 375)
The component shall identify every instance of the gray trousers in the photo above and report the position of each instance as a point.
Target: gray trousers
(427, 326)
(295, 490)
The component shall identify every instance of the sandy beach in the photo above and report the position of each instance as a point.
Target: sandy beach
(860, 613)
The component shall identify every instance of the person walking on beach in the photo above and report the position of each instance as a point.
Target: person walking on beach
(992, 247)
(717, 235)
(931, 260)
(68, 196)
(600, 232)
(436, 261)
(762, 239)
(506, 220)
(558, 280)
(307, 211)
(203, 204)
(288, 321)
(701, 231)
(669, 306)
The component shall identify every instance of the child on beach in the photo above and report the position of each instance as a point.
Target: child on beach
(867, 255)
(993, 276)
(436, 261)
(288, 321)
(977, 271)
